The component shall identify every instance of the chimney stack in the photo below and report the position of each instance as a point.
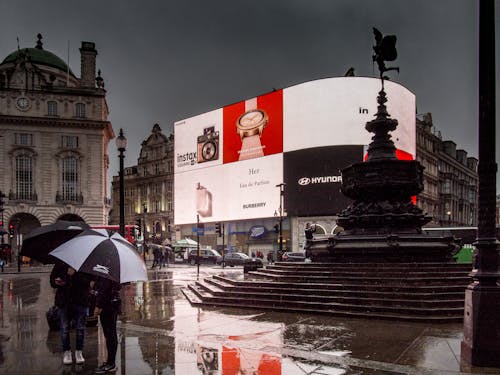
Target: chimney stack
(88, 54)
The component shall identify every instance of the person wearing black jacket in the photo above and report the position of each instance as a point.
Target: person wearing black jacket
(309, 232)
(72, 298)
(108, 307)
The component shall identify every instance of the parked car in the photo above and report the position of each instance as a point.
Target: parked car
(206, 256)
(293, 257)
(233, 259)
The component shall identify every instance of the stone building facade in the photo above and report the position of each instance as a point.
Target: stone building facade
(148, 188)
(451, 181)
(54, 139)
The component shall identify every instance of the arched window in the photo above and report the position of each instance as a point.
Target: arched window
(24, 177)
(70, 178)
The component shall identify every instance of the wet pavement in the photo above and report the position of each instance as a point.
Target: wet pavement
(161, 333)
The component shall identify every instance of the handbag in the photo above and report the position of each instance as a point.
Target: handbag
(54, 318)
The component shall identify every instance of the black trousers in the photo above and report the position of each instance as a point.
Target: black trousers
(108, 319)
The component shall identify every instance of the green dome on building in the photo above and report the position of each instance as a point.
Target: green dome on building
(38, 56)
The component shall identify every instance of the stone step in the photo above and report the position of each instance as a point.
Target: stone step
(380, 312)
(413, 292)
(298, 295)
(340, 291)
(361, 273)
(438, 267)
(262, 283)
(376, 279)
(194, 300)
(191, 296)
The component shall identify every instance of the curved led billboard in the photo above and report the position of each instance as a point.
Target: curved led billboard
(229, 161)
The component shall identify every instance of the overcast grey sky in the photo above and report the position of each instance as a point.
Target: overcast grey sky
(166, 60)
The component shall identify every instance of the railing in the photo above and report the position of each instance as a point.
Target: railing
(30, 197)
(69, 198)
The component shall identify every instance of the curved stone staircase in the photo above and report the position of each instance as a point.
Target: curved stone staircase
(427, 292)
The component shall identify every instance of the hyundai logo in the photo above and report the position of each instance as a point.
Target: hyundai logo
(320, 180)
(304, 181)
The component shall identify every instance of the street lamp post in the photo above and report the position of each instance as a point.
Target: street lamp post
(144, 211)
(282, 194)
(481, 342)
(449, 217)
(2, 228)
(121, 144)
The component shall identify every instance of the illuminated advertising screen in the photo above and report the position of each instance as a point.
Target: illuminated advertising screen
(313, 179)
(229, 161)
(242, 190)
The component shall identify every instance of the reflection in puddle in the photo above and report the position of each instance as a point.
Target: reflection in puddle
(161, 333)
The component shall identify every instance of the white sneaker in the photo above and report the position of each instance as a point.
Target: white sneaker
(79, 357)
(67, 358)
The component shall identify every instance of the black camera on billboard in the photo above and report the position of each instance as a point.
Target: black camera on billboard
(207, 360)
(208, 145)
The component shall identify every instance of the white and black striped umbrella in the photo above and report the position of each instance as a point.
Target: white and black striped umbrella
(102, 253)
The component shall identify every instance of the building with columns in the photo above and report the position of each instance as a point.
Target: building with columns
(148, 188)
(54, 139)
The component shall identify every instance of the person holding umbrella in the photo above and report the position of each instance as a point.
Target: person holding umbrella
(108, 307)
(114, 261)
(72, 298)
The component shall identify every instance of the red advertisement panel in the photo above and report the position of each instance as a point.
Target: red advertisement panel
(253, 128)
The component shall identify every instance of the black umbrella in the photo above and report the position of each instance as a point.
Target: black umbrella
(41, 241)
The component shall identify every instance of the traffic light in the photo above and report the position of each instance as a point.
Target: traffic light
(218, 229)
(11, 231)
(138, 222)
(276, 228)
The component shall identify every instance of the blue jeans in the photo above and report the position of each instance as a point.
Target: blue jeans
(78, 314)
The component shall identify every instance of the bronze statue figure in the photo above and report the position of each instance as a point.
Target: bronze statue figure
(384, 50)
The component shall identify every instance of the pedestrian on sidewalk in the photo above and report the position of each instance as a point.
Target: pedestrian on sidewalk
(72, 299)
(163, 259)
(309, 233)
(156, 257)
(107, 308)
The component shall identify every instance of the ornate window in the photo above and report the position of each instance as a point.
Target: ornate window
(24, 177)
(69, 141)
(24, 139)
(52, 108)
(70, 178)
(80, 110)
